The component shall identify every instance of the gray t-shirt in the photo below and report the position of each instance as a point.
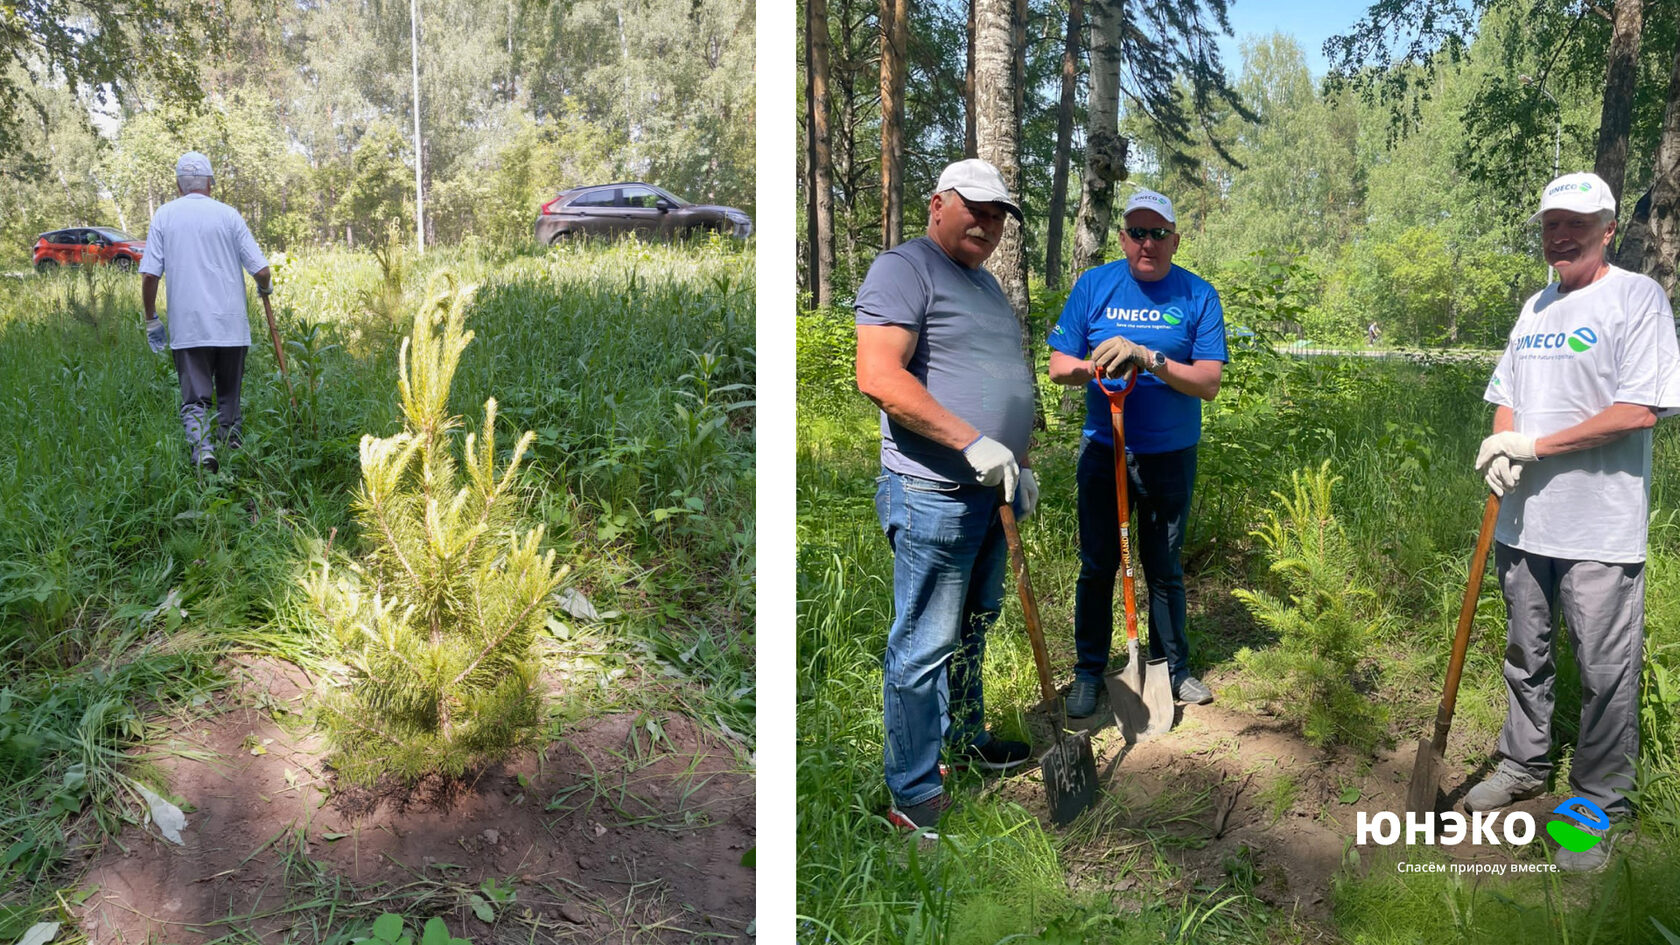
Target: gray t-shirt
(968, 354)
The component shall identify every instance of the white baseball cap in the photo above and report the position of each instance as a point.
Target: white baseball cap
(1149, 200)
(193, 164)
(1581, 192)
(978, 181)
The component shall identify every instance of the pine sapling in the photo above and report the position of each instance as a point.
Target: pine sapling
(437, 617)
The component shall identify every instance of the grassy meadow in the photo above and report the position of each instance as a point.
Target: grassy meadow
(1363, 562)
(128, 582)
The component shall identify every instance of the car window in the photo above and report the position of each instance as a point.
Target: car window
(115, 235)
(678, 201)
(640, 198)
(594, 198)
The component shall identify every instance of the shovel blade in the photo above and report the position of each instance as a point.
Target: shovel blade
(1070, 777)
(1157, 698)
(1424, 792)
(1125, 696)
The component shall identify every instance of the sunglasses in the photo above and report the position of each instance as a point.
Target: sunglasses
(1137, 233)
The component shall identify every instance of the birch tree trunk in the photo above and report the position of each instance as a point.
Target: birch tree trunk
(895, 33)
(1064, 142)
(821, 157)
(1105, 150)
(1617, 116)
(1661, 236)
(997, 134)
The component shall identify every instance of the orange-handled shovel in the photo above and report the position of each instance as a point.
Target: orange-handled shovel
(1141, 693)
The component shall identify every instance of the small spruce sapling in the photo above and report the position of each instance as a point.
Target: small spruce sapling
(437, 617)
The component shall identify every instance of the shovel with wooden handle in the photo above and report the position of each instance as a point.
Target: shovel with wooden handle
(1424, 791)
(1141, 693)
(1070, 770)
(279, 353)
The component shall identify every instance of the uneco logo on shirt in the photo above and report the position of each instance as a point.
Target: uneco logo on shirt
(1172, 315)
(1577, 341)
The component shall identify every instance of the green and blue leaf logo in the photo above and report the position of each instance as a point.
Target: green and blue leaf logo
(1582, 339)
(1582, 811)
(1172, 315)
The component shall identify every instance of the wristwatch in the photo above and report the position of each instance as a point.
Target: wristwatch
(1158, 362)
(267, 291)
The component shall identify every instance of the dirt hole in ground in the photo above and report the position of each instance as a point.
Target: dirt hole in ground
(630, 828)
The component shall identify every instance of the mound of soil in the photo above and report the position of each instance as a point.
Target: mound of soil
(631, 828)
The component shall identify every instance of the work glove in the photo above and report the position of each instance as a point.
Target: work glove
(1519, 447)
(1113, 354)
(156, 335)
(993, 463)
(1029, 493)
(1502, 474)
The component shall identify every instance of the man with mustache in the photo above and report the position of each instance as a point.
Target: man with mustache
(1167, 322)
(1590, 365)
(939, 350)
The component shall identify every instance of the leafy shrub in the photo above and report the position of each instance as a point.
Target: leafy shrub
(437, 618)
(1323, 627)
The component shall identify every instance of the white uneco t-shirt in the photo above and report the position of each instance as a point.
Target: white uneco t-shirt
(1570, 356)
(202, 249)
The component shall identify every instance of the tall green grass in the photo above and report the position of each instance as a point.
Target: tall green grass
(1400, 436)
(125, 577)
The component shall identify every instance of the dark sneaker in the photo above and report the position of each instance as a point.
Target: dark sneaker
(923, 818)
(1590, 860)
(998, 754)
(1193, 691)
(1506, 785)
(1082, 698)
(207, 462)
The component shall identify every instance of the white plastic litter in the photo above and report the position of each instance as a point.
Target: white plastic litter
(167, 816)
(573, 602)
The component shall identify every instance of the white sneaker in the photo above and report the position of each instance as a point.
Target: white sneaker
(1505, 785)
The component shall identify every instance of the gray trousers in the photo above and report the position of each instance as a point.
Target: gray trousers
(205, 372)
(1603, 605)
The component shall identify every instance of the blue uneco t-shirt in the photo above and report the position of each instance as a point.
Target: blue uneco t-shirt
(1179, 316)
(968, 354)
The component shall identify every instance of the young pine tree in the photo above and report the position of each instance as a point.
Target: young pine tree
(437, 617)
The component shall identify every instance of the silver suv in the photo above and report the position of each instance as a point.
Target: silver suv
(633, 208)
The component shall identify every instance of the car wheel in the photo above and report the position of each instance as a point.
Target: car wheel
(46, 265)
(560, 236)
(123, 263)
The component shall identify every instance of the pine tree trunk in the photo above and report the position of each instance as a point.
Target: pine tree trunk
(895, 32)
(969, 146)
(1064, 143)
(997, 134)
(821, 157)
(1105, 150)
(1617, 117)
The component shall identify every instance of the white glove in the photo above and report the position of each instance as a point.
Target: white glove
(1029, 493)
(993, 463)
(1502, 474)
(156, 335)
(1518, 446)
(1113, 354)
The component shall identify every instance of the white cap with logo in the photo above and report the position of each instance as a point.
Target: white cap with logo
(978, 181)
(1583, 192)
(1149, 200)
(193, 164)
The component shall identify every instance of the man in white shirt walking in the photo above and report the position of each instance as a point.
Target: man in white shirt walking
(206, 248)
(1590, 365)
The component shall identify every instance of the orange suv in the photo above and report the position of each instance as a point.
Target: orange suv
(88, 246)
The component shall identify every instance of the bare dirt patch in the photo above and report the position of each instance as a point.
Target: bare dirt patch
(630, 828)
(1235, 799)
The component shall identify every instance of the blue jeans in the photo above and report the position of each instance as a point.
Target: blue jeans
(949, 558)
(1159, 487)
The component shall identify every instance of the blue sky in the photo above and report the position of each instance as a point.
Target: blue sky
(1311, 22)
